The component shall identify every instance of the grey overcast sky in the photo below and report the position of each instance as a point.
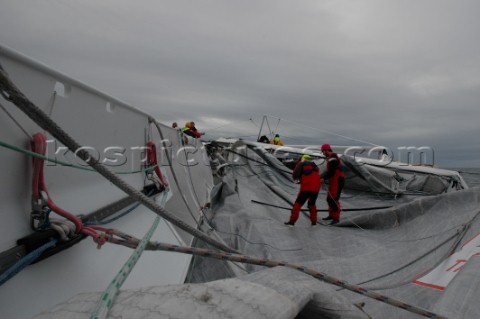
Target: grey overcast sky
(389, 72)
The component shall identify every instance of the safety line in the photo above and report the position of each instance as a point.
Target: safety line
(33, 154)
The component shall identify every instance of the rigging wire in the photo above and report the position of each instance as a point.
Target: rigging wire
(327, 132)
(276, 127)
(16, 122)
(270, 132)
(230, 123)
(251, 120)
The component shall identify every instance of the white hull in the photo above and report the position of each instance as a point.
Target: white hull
(98, 121)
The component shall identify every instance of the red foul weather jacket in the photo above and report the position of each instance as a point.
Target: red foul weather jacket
(333, 173)
(308, 174)
(334, 168)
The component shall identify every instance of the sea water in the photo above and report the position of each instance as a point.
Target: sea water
(470, 175)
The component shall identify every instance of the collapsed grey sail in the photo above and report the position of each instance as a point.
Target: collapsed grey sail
(410, 237)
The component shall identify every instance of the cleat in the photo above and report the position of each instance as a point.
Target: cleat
(314, 225)
(334, 222)
(327, 218)
(289, 224)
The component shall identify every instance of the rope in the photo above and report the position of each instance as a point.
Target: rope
(108, 297)
(227, 124)
(152, 161)
(11, 93)
(45, 158)
(39, 188)
(25, 261)
(64, 228)
(274, 263)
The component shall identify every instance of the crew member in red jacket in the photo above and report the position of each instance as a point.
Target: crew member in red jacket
(191, 130)
(308, 173)
(336, 180)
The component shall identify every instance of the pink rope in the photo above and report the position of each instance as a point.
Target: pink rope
(38, 185)
(152, 161)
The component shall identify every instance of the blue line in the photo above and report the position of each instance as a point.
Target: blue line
(25, 261)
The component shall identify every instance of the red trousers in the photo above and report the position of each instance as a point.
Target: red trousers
(335, 187)
(302, 197)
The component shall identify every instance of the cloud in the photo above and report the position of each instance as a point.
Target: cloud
(386, 72)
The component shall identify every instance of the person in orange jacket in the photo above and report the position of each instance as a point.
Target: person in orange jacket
(276, 140)
(307, 172)
(191, 130)
(336, 180)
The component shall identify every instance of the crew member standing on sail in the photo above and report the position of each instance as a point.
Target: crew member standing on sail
(336, 180)
(308, 173)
